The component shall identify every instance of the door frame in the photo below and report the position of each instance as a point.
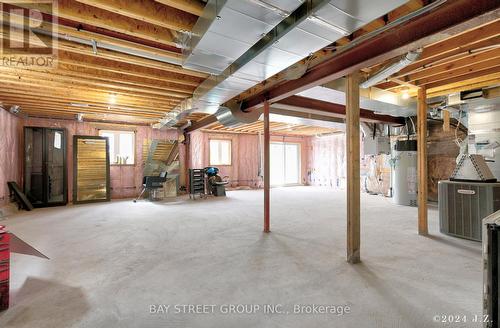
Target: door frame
(45, 177)
(299, 147)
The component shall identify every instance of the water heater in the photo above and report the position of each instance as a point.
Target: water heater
(404, 172)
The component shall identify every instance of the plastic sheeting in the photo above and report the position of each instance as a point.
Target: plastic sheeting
(10, 146)
(328, 161)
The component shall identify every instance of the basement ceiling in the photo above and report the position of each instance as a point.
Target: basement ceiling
(107, 85)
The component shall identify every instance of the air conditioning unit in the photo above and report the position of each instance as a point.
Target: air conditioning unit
(463, 206)
(491, 259)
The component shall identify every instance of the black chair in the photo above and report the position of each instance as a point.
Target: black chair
(150, 183)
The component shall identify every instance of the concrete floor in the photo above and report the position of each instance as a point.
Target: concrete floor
(110, 261)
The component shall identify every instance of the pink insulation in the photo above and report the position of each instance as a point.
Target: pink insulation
(126, 180)
(244, 168)
(10, 150)
(328, 160)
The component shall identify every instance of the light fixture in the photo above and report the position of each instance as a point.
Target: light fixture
(383, 74)
(328, 25)
(112, 98)
(79, 117)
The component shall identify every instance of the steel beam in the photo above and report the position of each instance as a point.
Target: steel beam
(338, 110)
(451, 18)
(204, 122)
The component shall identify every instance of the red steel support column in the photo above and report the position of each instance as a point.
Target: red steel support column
(267, 169)
(4, 268)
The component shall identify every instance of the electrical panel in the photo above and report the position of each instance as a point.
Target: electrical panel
(376, 146)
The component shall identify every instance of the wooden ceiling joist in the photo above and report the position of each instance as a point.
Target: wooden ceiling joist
(194, 7)
(453, 65)
(147, 11)
(464, 43)
(102, 64)
(78, 96)
(66, 82)
(92, 76)
(73, 10)
(461, 72)
(486, 74)
(127, 59)
(91, 105)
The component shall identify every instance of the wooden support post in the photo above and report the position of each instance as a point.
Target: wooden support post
(267, 169)
(422, 160)
(446, 121)
(353, 168)
(183, 160)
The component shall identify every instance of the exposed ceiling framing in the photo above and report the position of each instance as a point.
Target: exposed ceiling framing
(117, 87)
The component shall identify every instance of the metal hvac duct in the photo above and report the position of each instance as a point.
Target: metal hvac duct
(383, 74)
(233, 116)
(244, 42)
(385, 103)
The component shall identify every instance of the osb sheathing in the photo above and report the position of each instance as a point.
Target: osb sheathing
(442, 152)
(10, 147)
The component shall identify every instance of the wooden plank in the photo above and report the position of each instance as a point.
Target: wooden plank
(75, 11)
(465, 70)
(453, 65)
(483, 36)
(147, 11)
(62, 82)
(77, 96)
(353, 168)
(149, 47)
(422, 161)
(462, 78)
(194, 7)
(70, 59)
(102, 79)
(267, 170)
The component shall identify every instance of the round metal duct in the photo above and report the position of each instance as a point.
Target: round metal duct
(234, 116)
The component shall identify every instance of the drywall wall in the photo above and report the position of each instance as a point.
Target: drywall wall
(10, 146)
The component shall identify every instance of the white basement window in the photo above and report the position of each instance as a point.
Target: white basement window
(121, 146)
(220, 152)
